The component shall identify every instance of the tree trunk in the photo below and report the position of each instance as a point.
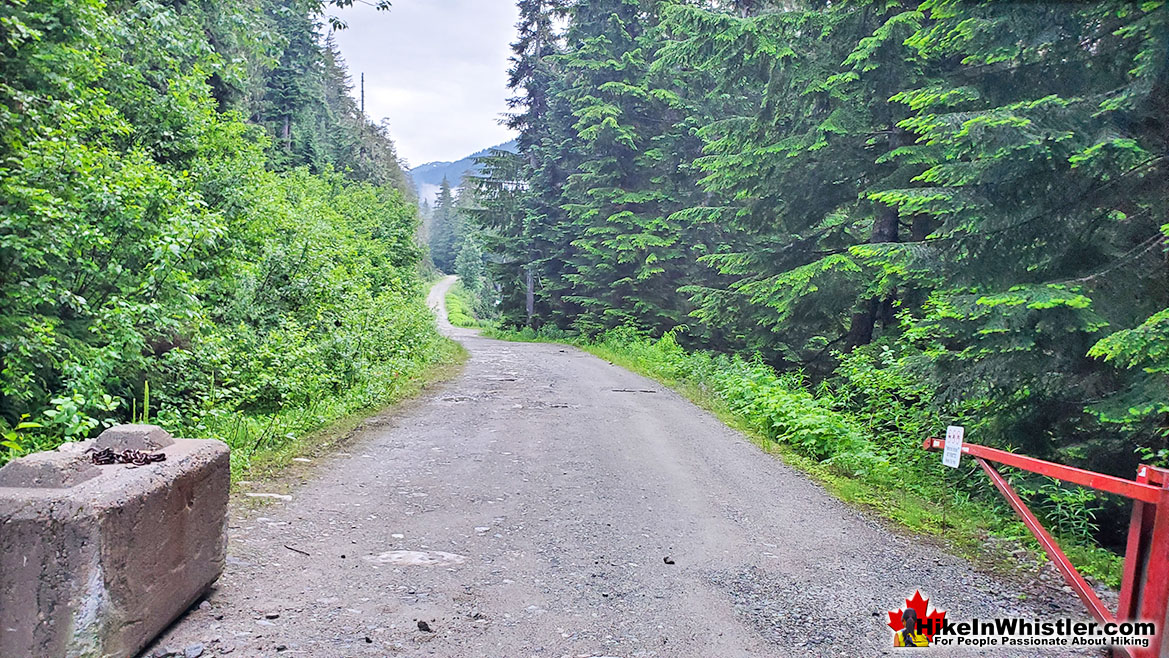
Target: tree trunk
(864, 318)
(286, 133)
(921, 228)
(860, 329)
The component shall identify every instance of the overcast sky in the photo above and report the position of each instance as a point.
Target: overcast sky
(437, 69)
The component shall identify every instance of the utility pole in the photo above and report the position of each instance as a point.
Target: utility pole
(530, 297)
(361, 124)
(529, 279)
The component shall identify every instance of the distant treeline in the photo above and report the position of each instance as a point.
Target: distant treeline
(966, 199)
(197, 225)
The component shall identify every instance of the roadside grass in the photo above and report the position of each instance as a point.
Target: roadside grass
(459, 305)
(527, 335)
(954, 507)
(262, 447)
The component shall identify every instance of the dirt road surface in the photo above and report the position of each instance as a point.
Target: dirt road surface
(545, 503)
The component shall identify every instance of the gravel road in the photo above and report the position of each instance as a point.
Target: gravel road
(528, 508)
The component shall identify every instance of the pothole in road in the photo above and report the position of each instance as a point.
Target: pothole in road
(471, 397)
(417, 558)
(544, 404)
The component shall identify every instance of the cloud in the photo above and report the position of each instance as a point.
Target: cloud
(437, 69)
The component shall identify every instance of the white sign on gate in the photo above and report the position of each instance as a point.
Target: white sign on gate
(953, 451)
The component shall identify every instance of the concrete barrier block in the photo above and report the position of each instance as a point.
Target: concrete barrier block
(95, 561)
(47, 470)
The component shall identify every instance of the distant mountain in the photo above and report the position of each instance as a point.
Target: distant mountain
(428, 177)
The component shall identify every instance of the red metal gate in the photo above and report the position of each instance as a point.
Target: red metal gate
(1144, 591)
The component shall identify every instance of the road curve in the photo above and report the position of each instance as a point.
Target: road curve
(547, 503)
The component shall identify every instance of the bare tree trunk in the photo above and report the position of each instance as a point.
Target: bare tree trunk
(286, 133)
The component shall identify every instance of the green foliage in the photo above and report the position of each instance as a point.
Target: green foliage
(1145, 350)
(480, 290)
(19, 440)
(1068, 512)
(502, 226)
(469, 265)
(779, 406)
(164, 260)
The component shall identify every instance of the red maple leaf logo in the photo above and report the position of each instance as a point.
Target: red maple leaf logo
(931, 623)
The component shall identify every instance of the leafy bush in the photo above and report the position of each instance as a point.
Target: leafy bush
(148, 243)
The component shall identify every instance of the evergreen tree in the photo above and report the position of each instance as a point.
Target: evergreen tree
(534, 253)
(355, 144)
(500, 217)
(790, 168)
(446, 233)
(296, 88)
(608, 133)
(1044, 132)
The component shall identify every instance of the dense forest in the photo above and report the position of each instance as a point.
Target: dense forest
(198, 226)
(919, 212)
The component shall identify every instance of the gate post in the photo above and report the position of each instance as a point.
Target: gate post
(1154, 596)
(1144, 593)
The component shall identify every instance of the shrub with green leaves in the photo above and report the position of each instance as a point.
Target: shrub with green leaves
(149, 240)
